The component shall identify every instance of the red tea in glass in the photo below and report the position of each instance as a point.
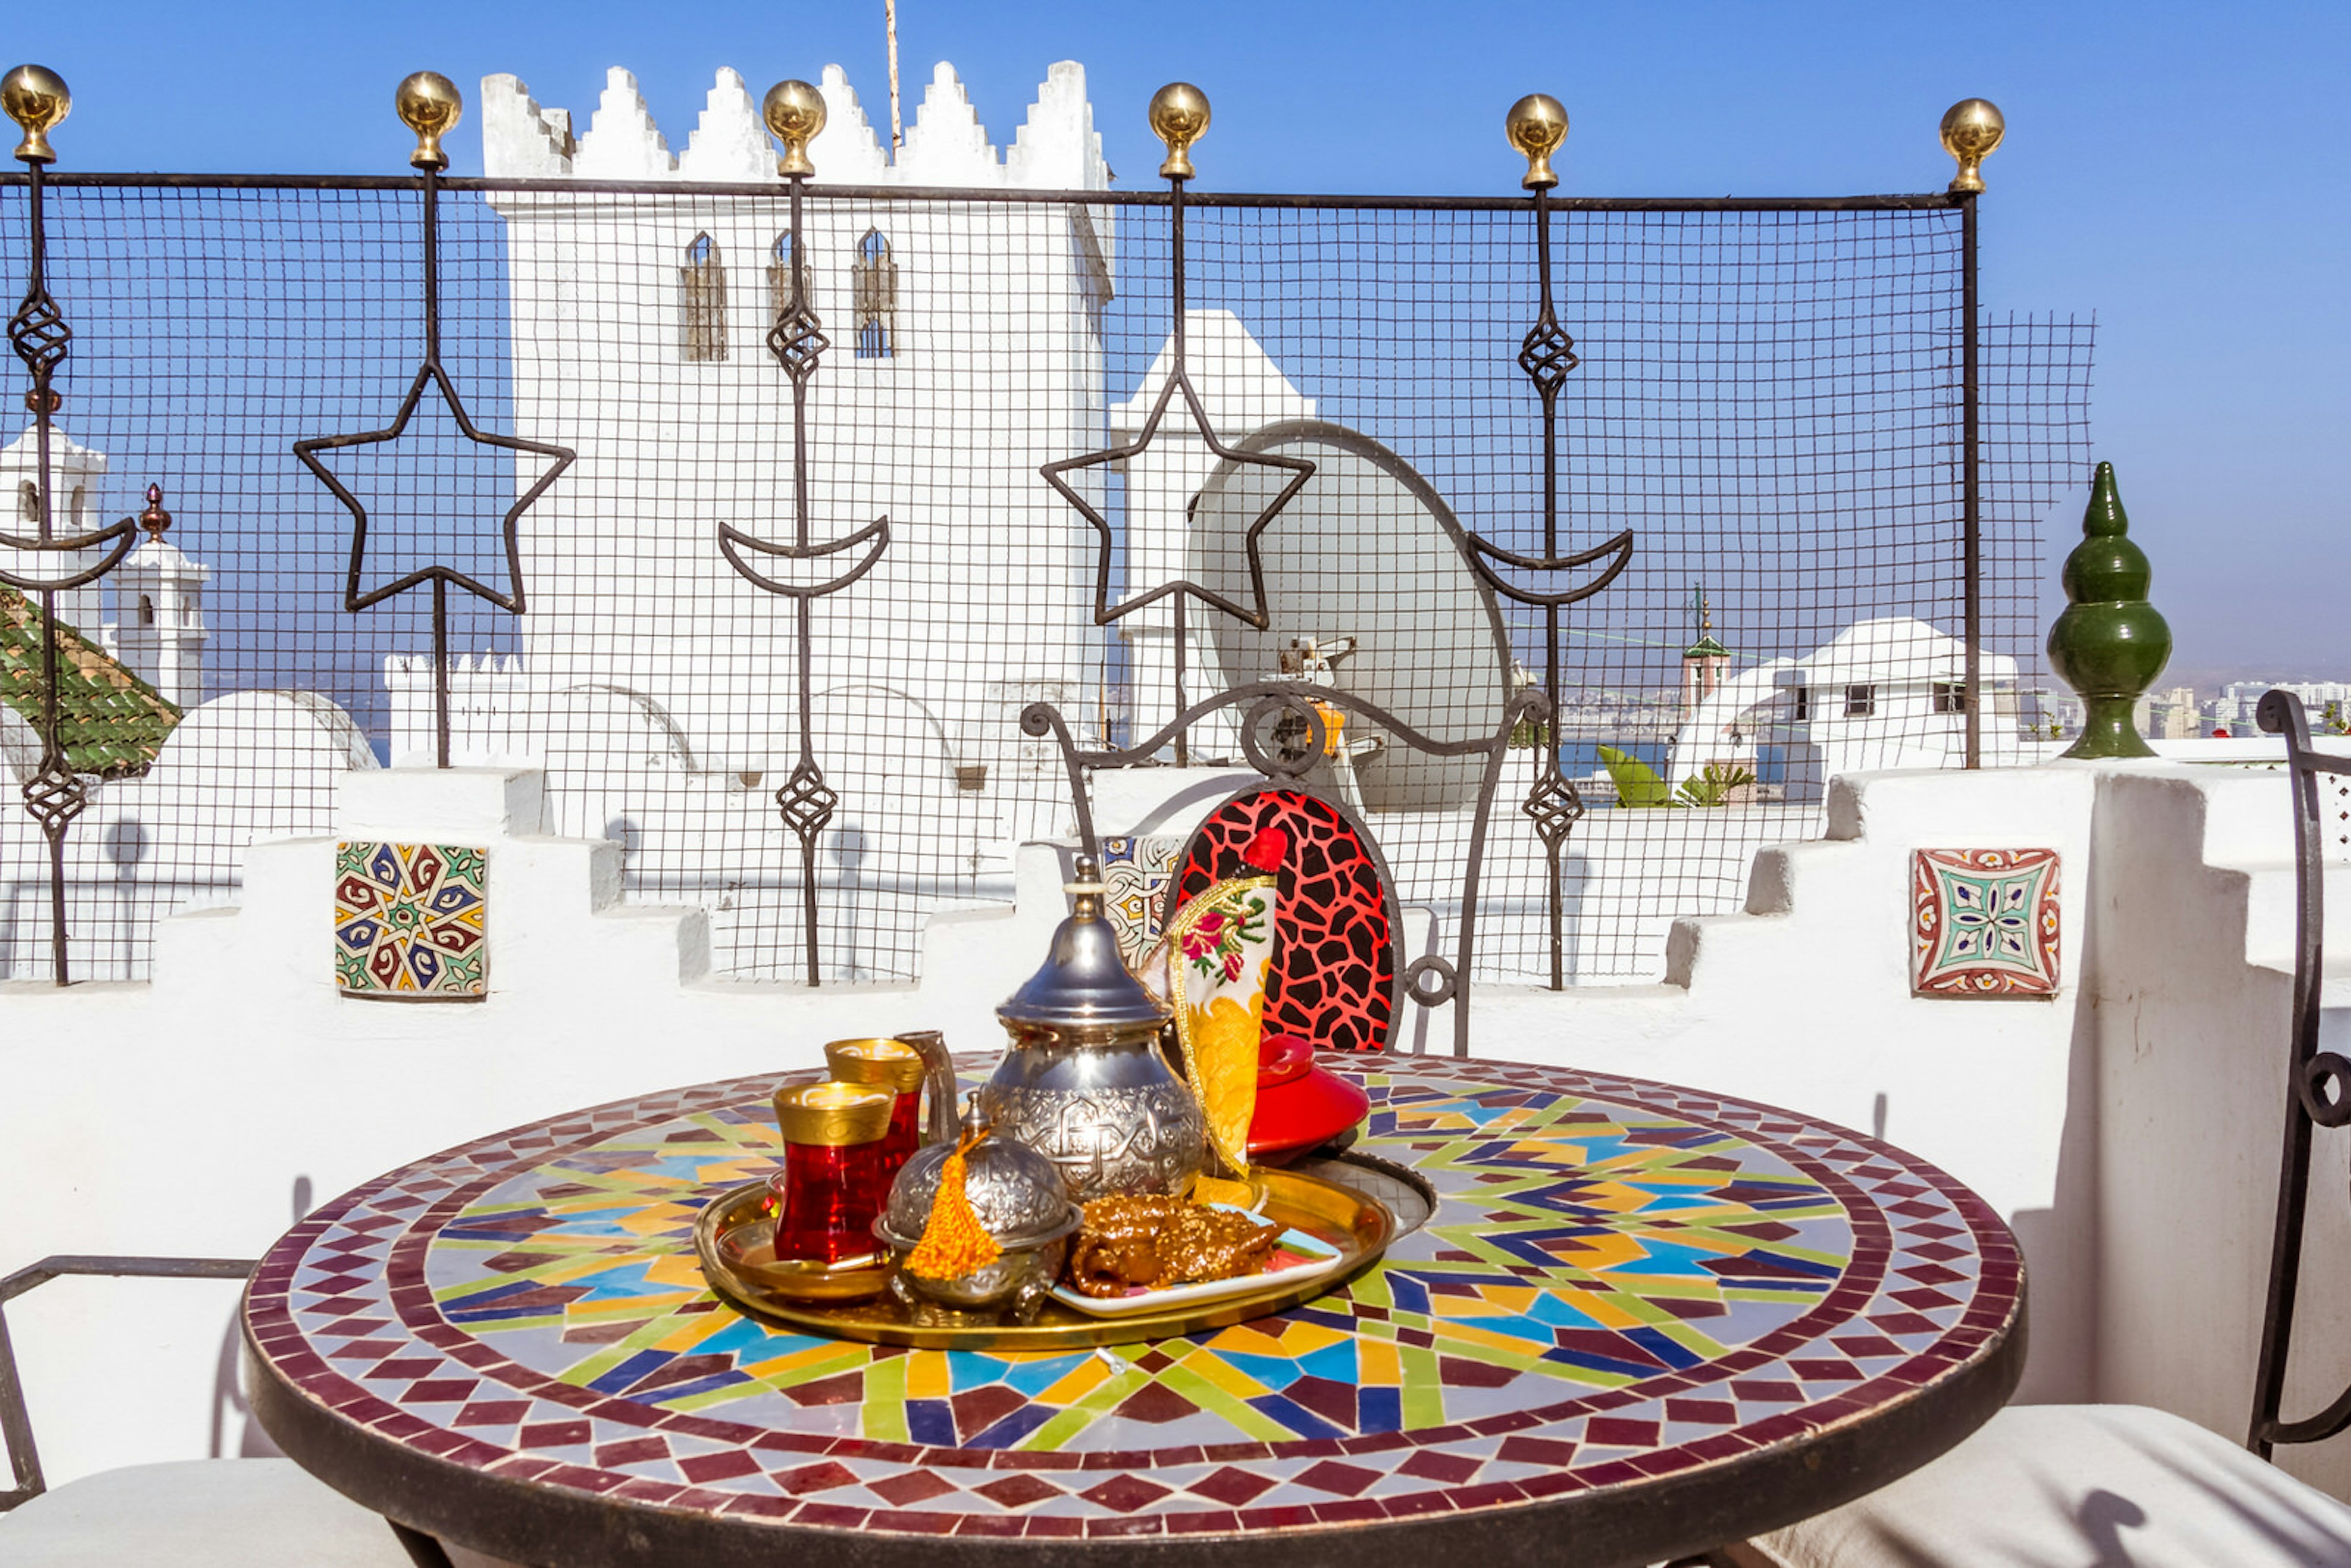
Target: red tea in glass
(835, 1178)
(893, 1065)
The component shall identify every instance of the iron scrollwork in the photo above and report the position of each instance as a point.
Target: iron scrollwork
(807, 802)
(2321, 1082)
(55, 795)
(1537, 126)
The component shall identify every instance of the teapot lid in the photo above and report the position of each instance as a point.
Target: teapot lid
(1083, 980)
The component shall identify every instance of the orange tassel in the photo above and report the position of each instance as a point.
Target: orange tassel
(954, 1243)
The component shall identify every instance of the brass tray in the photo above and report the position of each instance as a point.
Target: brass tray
(1360, 1226)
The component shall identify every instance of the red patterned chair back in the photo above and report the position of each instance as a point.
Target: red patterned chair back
(1336, 977)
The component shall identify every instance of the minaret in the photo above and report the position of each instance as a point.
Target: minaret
(159, 595)
(76, 475)
(1703, 661)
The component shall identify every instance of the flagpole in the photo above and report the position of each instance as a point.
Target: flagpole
(889, 18)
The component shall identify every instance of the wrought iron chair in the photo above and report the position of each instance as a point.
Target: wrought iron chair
(2122, 1484)
(1284, 735)
(195, 1513)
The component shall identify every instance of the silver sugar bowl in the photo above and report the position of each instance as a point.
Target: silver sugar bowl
(1083, 1083)
(1019, 1198)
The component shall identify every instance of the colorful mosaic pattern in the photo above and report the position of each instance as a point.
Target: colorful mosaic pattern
(1983, 922)
(409, 921)
(1621, 1281)
(1135, 873)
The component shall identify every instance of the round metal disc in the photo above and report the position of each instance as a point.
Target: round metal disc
(1366, 551)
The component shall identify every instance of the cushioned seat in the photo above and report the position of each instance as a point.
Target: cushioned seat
(2077, 1486)
(235, 1513)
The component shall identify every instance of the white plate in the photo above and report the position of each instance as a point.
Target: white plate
(1314, 1255)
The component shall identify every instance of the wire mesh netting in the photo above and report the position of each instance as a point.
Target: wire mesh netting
(1769, 400)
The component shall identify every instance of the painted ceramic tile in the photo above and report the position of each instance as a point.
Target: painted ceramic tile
(409, 922)
(1135, 873)
(1983, 922)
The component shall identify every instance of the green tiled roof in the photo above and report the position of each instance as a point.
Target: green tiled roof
(1706, 647)
(111, 723)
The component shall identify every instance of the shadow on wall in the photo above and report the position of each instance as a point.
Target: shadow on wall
(2061, 1242)
(228, 1378)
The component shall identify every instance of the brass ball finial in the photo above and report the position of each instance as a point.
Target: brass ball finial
(1972, 129)
(1536, 126)
(794, 111)
(1179, 116)
(37, 98)
(155, 519)
(429, 105)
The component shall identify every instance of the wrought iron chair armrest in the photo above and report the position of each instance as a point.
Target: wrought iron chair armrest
(2317, 761)
(16, 1422)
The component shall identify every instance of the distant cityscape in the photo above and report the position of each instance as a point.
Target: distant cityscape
(2178, 712)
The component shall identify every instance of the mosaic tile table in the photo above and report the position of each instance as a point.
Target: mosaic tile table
(1642, 1320)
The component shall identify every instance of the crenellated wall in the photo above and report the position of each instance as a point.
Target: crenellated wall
(1055, 149)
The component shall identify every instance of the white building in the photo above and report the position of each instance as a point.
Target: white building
(158, 631)
(1887, 693)
(76, 477)
(1892, 693)
(976, 332)
(2173, 714)
(2236, 709)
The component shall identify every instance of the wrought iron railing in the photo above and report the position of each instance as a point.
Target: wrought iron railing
(1584, 408)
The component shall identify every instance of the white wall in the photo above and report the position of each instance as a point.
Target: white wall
(2194, 962)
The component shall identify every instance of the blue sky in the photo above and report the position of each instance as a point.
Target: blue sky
(2177, 170)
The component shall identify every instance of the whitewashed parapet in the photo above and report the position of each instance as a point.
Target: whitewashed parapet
(519, 139)
(946, 145)
(1057, 148)
(622, 142)
(730, 142)
(847, 151)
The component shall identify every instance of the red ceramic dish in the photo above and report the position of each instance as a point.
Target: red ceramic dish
(1299, 1104)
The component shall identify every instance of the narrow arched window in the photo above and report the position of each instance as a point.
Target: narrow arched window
(702, 294)
(876, 297)
(788, 250)
(28, 501)
(146, 611)
(80, 499)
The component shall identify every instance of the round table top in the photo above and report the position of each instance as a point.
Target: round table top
(1643, 1319)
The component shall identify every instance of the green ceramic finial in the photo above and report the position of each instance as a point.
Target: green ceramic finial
(2109, 643)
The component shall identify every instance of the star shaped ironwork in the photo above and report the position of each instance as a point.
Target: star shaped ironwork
(1300, 470)
(431, 373)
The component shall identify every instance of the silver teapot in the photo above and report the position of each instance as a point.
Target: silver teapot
(1083, 1083)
